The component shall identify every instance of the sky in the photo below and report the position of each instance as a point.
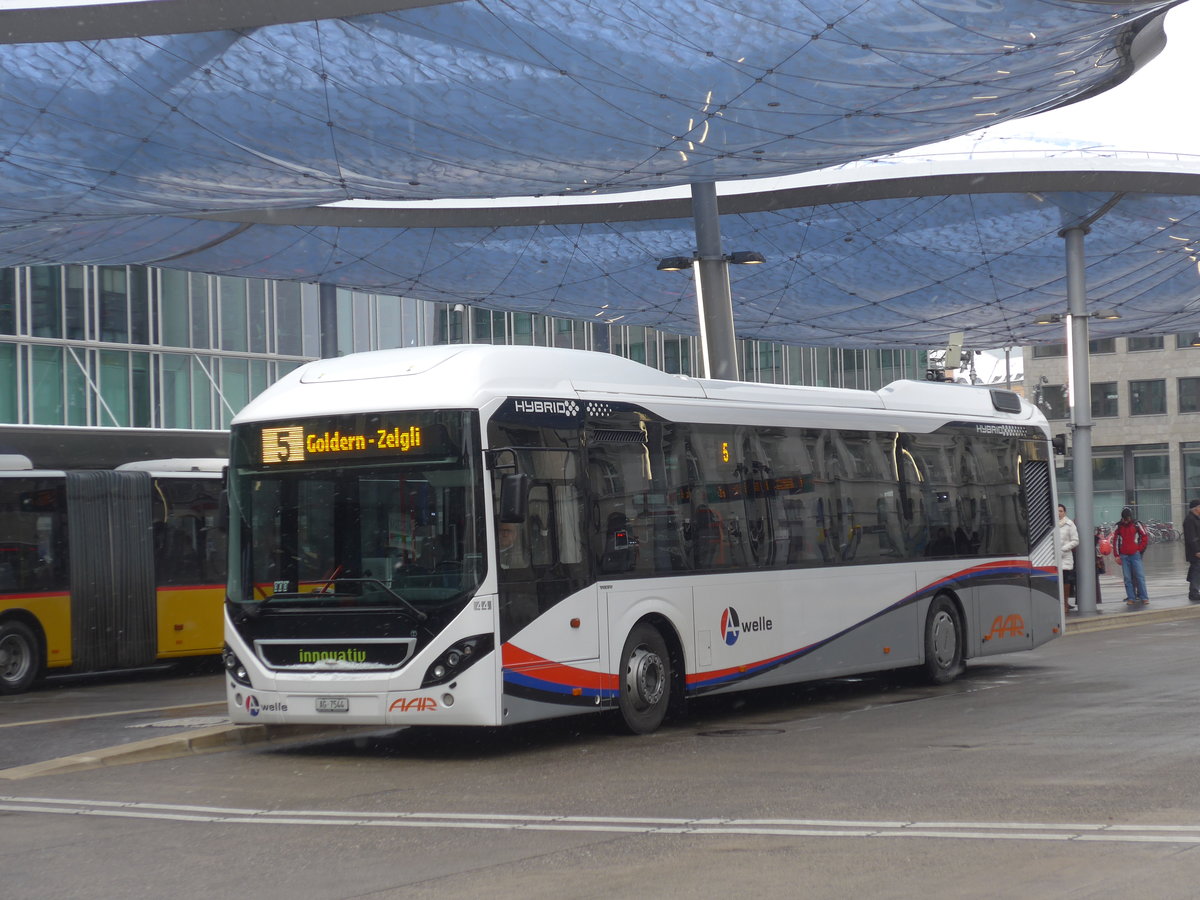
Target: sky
(1152, 111)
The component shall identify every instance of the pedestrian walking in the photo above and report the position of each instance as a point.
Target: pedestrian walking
(1191, 549)
(1130, 540)
(1068, 539)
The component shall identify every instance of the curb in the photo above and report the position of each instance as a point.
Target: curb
(211, 739)
(1107, 621)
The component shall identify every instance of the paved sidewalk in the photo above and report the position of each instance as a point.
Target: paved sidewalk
(1168, 602)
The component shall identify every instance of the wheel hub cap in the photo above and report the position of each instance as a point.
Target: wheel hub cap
(645, 678)
(12, 660)
(945, 640)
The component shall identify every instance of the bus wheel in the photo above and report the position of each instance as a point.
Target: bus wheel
(943, 641)
(19, 663)
(645, 679)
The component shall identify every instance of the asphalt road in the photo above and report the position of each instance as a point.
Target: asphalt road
(66, 716)
(1067, 772)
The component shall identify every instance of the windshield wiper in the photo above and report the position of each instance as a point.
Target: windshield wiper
(254, 609)
(420, 616)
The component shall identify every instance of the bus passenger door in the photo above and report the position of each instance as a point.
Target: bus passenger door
(542, 598)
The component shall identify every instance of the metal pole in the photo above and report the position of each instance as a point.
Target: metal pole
(1081, 422)
(328, 320)
(713, 297)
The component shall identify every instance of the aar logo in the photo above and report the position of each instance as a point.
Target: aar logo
(416, 704)
(1006, 626)
(731, 626)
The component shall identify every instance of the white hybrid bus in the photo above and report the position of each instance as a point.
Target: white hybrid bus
(479, 535)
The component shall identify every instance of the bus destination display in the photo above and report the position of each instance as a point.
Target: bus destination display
(326, 440)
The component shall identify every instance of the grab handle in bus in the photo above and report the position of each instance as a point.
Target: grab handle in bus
(514, 497)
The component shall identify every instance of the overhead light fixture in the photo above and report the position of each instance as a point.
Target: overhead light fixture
(747, 258)
(1106, 314)
(1047, 319)
(674, 263)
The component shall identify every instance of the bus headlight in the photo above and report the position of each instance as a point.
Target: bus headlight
(457, 658)
(234, 667)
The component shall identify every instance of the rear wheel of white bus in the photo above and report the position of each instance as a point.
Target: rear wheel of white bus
(645, 676)
(943, 640)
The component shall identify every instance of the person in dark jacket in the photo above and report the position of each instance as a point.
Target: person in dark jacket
(1191, 549)
(1130, 540)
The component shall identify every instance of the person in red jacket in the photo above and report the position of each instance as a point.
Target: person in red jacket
(1130, 540)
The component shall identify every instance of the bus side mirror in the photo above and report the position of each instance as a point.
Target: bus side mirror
(514, 497)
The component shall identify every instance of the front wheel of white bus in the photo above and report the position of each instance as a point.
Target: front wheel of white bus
(943, 641)
(645, 679)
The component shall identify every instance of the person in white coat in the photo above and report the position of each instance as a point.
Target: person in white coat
(1068, 537)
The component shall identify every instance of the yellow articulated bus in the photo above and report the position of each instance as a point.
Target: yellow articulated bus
(108, 569)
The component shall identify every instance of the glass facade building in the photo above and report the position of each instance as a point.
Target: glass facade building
(138, 347)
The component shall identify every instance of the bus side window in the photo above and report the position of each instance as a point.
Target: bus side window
(620, 546)
(537, 526)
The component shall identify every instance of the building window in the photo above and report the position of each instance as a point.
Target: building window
(1104, 400)
(46, 378)
(1187, 339)
(176, 316)
(45, 302)
(233, 303)
(1148, 398)
(176, 391)
(235, 388)
(201, 333)
(1103, 345)
(1108, 488)
(1046, 351)
(76, 297)
(8, 301)
(289, 321)
(9, 393)
(1152, 486)
(1052, 398)
(1189, 395)
(1136, 344)
(1191, 469)
(113, 304)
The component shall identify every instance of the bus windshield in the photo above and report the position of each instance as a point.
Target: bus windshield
(380, 510)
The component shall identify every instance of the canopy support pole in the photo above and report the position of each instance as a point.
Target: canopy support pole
(328, 320)
(714, 299)
(1081, 420)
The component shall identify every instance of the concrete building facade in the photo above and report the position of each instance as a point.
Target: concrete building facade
(1145, 403)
